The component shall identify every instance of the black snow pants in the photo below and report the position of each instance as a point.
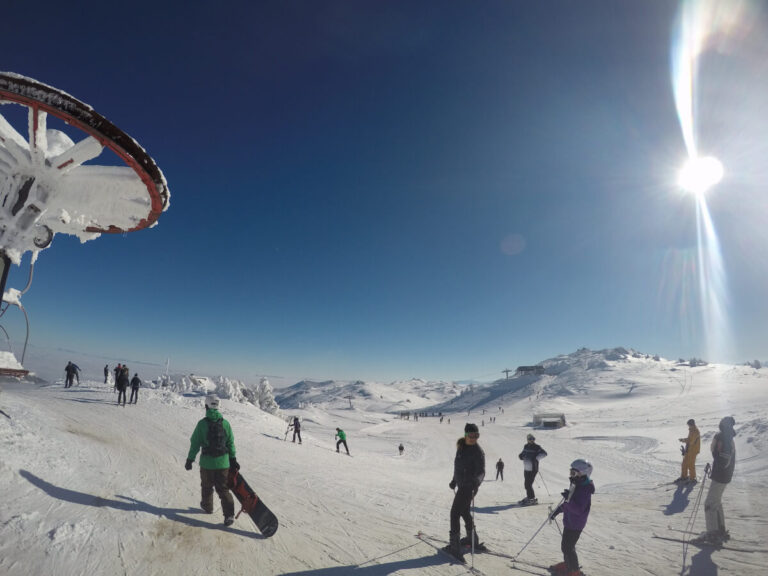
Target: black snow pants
(568, 547)
(529, 477)
(461, 509)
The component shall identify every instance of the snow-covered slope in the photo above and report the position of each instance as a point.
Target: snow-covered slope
(92, 488)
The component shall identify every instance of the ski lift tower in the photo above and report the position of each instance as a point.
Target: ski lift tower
(54, 179)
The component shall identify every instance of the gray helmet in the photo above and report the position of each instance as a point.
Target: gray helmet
(582, 467)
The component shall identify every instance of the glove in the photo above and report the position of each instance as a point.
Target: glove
(188, 464)
(555, 513)
(452, 484)
(565, 494)
(233, 464)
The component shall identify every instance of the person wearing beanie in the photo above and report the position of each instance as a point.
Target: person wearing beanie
(723, 464)
(530, 456)
(468, 474)
(213, 435)
(690, 451)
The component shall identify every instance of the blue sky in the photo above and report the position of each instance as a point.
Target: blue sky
(384, 190)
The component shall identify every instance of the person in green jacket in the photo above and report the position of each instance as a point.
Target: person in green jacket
(213, 435)
(342, 440)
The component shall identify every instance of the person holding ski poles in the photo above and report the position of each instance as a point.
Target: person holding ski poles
(577, 501)
(690, 451)
(213, 435)
(530, 456)
(296, 425)
(723, 463)
(342, 440)
(468, 474)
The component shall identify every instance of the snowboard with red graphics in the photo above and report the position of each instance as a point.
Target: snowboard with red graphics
(251, 504)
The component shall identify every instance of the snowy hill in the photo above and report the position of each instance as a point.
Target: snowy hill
(398, 396)
(92, 488)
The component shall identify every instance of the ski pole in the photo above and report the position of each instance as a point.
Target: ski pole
(474, 532)
(697, 503)
(542, 481)
(537, 532)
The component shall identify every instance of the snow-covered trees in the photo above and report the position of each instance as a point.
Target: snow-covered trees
(266, 397)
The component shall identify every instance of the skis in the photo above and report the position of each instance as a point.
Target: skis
(252, 505)
(436, 544)
(714, 546)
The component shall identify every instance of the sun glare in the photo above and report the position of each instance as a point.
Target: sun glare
(699, 174)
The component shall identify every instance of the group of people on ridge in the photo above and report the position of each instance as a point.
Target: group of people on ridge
(71, 371)
(122, 383)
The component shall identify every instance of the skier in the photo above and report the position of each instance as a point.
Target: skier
(468, 474)
(723, 463)
(118, 369)
(135, 383)
(530, 456)
(122, 384)
(690, 451)
(577, 500)
(214, 435)
(71, 371)
(500, 469)
(296, 428)
(106, 373)
(401, 448)
(342, 440)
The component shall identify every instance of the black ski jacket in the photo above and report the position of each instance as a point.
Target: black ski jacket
(469, 465)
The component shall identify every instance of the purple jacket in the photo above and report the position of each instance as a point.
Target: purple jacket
(576, 510)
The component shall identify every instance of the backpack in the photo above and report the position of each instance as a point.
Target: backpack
(217, 439)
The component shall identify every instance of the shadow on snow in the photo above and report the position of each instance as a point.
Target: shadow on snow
(127, 504)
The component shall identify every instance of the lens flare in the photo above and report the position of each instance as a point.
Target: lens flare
(700, 174)
(699, 22)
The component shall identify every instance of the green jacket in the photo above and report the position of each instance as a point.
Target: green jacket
(199, 439)
(341, 435)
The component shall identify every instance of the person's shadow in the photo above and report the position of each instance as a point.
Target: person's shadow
(679, 500)
(373, 569)
(702, 564)
(127, 504)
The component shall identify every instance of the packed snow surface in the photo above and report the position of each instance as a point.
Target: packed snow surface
(93, 488)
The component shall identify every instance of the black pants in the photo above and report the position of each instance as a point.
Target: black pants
(529, 476)
(134, 395)
(70, 380)
(342, 442)
(216, 479)
(568, 547)
(297, 432)
(461, 509)
(500, 472)
(120, 394)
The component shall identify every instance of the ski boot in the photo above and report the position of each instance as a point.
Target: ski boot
(454, 547)
(466, 542)
(559, 568)
(229, 520)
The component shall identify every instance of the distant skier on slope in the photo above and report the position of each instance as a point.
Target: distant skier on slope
(530, 456)
(122, 384)
(342, 440)
(500, 469)
(690, 451)
(723, 463)
(71, 371)
(135, 383)
(106, 373)
(468, 474)
(577, 501)
(214, 435)
(296, 425)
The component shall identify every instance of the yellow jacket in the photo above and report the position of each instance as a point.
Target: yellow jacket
(693, 442)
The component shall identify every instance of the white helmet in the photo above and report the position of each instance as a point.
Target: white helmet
(212, 402)
(582, 467)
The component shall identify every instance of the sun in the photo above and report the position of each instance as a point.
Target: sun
(699, 174)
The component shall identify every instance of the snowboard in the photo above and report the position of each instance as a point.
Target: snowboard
(262, 516)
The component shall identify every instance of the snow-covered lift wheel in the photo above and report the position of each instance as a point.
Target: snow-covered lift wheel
(50, 183)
